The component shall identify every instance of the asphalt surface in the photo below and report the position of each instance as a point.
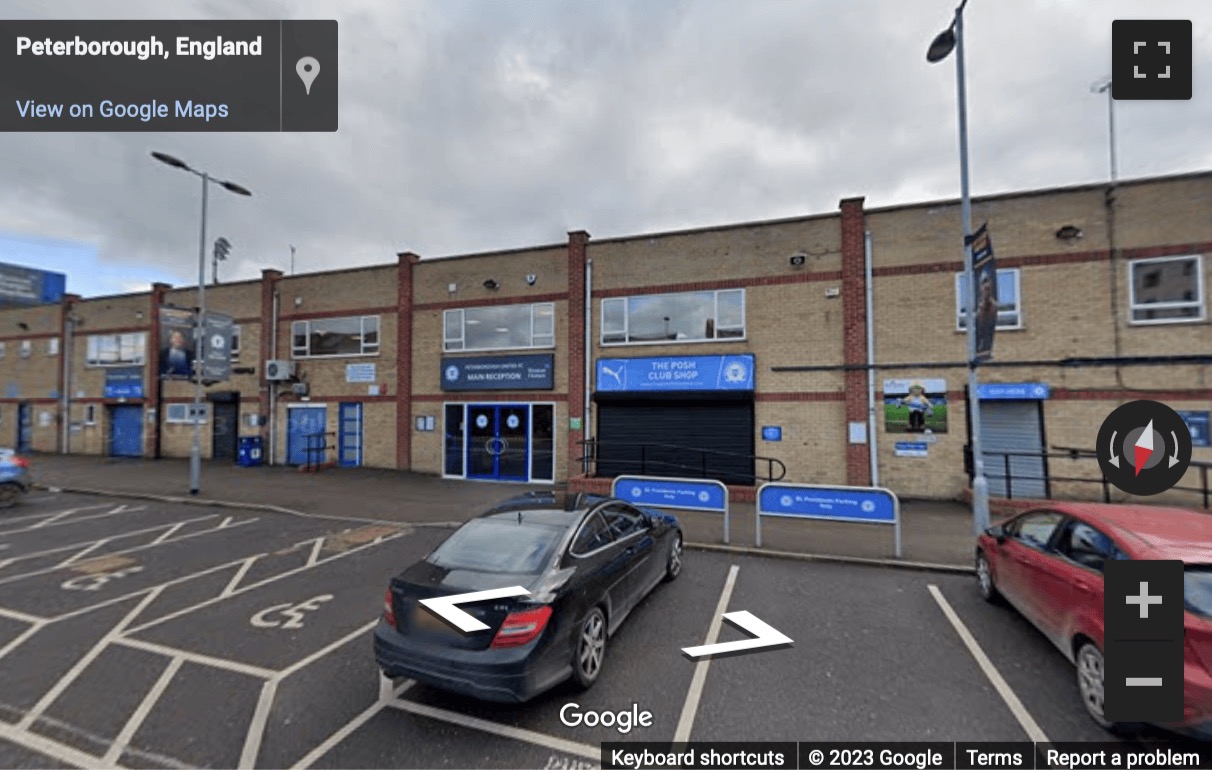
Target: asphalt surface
(153, 634)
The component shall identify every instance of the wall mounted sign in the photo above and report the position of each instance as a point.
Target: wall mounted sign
(1013, 391)
(772, 433)
(912, 449)
(1197, 426)
(675, 373)
(360, 373)
(915, 406)
(524, 372)
(124, 382)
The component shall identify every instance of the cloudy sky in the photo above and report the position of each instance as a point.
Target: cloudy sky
(472, 125)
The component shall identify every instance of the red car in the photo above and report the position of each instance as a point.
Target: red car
(1048, 564)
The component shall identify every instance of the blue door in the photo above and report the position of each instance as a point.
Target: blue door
(498, 439)
(126, 431)
(349, 435)
(25, 427)
(302, 426)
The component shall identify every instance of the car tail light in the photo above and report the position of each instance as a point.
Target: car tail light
(20, 462)
(389, 612)
(523, 627)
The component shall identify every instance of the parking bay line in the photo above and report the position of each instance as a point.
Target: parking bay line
(695, 694)
(117, 509)
(68, 755)
(350, 728)
(140, 714)
(202, 659)
(1025, 720)
(77, 509)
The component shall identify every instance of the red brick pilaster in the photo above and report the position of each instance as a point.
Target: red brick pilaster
(152, 377)
(408, 262)
(854, 315)
(269, 285)
(578, 241)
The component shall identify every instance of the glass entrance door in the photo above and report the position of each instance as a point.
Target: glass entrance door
(498, 442)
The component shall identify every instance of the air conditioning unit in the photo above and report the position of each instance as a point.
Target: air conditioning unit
(279, 371)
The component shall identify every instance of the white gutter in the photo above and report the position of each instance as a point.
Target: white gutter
(872, 415)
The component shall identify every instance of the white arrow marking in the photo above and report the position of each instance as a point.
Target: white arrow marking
(1174, 457)
(1114, 457)
(765, 635)
(444, 606)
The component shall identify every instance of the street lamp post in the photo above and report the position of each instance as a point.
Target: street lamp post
(950, 39)
(195, 449)
(1105, 88)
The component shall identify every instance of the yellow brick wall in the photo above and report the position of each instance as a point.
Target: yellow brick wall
(339, 290)
(432, 277)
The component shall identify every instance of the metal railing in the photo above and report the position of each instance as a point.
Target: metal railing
(317, 451)
(1003, 469)
(654, 459)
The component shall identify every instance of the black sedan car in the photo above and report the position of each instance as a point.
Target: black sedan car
(587, 561)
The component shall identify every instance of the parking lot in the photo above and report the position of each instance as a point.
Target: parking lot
(144, 634)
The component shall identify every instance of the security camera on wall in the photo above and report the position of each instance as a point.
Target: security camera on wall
(798, 260)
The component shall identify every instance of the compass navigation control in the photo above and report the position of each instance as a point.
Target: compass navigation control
(1144, 448)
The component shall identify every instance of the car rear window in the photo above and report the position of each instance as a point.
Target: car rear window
(498, 545)
(1197, 590)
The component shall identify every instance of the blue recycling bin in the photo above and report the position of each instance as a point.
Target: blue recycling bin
(250, 451)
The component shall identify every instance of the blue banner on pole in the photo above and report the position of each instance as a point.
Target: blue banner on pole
(875, 506)
(686, 494)
(525, 372)
(675, 373)
(124, 382)
(1014, 391)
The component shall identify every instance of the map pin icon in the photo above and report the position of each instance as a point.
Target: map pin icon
(308, 68)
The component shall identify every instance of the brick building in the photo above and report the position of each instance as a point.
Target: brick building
(707, 348)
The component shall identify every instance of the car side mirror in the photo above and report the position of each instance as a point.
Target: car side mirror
(1001, 538)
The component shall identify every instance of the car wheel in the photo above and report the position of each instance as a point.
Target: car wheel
(1090, 683)
(590, 648)
(984, 579)
(8, 495)
(673, 567)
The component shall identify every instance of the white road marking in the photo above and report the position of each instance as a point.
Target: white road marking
(53, 749)
(252, 586)
(312, 658)
(171, 531)
(256, 727)
(85, 661)
(293, 613)
(240, 573)
(202, 659)
(328, 743)
(95, 543)
(15, 519)
(84, 552)
(21, 616)
(315, 552)
(691, 707)
(136, 719)
(124, 508)
(20, 638)
(135, 549)
(1015, 705)
(61, 523)
(506, 731)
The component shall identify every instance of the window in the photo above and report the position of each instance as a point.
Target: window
(27, 348)
(593, 535)
(1166, 290)
(1088, 547)
(1009, 307)
(1035, 529)
(52, 346)
(500, 327)
(623, 521)
(235, 342)
(116, 349)
(498, 544)
(183, 413)
(695, 316)
(90, 414)
(329, 337)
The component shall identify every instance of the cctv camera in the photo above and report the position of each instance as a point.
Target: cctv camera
(797, 260)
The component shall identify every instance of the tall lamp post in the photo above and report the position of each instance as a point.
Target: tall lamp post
(948, 40)
(1104, 87)
(195, 450)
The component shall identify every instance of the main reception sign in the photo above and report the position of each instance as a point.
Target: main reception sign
(526, 372)
(675, 373)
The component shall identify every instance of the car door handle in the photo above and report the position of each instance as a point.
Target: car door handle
(1081, 585)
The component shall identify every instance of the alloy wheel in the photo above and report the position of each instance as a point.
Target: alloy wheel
(1090, 681)
(592, 645)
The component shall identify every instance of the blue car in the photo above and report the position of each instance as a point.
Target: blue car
(14, 477)
(586, 561)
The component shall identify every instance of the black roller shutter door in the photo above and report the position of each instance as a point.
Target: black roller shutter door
(687, 438)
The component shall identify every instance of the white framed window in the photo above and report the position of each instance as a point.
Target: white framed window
(335, 337)
(1009, 300)
(27, 348)
(693, 316)
(116, 349)
(499, 327)
(90, 414)
(1167, 290)
(52, 346)
(235, 342)
(183, 413)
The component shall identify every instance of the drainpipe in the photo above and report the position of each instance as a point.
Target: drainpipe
(872, 449)
(273, 387)
(66, 419)
(585, 432)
